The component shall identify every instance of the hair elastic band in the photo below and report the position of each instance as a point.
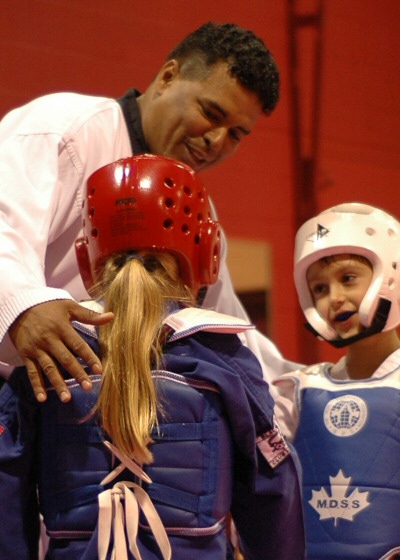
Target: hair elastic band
(150, 262)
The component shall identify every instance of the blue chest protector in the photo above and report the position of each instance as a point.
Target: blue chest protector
(348, 441)
(191, 474)
(217, 450)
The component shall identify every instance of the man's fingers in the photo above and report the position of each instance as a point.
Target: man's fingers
(83, 350)
(66, 359)
(89, 316)
(46, 341)
(54, 376)
(35, 377)
(77, 344)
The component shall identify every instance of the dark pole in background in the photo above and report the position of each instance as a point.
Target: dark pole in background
(305, 31)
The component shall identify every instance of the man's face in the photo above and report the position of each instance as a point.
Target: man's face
(201, 121)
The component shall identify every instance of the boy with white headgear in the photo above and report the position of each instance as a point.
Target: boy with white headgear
(344, 418)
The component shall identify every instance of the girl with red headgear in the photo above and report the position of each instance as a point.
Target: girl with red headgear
(179, 431)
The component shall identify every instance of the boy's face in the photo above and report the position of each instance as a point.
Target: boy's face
(338, 285)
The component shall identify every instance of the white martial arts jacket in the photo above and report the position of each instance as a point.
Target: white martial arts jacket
(48, 149)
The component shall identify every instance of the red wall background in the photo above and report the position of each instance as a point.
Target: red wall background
(104, 47)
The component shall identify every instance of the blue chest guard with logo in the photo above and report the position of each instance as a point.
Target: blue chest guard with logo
(351, 483)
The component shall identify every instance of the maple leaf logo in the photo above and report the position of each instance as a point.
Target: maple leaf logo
(338, 505)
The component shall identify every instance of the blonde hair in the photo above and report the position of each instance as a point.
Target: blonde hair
(137, 292)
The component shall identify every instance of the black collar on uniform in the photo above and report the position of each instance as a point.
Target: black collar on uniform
(130, 109)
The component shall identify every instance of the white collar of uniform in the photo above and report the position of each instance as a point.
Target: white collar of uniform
(187, 321)
(192, 319)
(392, 362)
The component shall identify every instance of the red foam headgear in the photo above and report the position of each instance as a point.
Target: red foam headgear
(151, 203)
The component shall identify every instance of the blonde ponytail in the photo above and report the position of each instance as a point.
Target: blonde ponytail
(130, 345)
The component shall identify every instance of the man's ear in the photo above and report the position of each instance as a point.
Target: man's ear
(168, 72)
(82, 256)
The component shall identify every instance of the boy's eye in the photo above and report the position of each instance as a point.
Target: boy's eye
(349, 277)
(318, 289)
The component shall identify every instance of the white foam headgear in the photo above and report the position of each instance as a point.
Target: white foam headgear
(352, 228)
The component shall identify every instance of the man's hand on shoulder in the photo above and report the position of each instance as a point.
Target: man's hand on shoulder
(44, 337)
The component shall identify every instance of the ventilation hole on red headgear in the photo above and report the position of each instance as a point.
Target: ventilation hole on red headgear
(200, 217)
(168, 182)
(197, 239)
(187, 210)
(168, 224)
(94, 232)
(185, 229)
(91, 192)
(200, 196)
(187, 190)
(169, 202)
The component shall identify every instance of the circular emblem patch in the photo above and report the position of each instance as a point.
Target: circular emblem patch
(345, 416)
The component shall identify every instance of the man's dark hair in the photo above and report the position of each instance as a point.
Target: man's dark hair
(247, 57)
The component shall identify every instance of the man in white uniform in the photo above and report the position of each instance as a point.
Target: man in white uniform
(204, 100)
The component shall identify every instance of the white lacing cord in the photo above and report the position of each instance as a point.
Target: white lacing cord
(126, 463)
(114, 517)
